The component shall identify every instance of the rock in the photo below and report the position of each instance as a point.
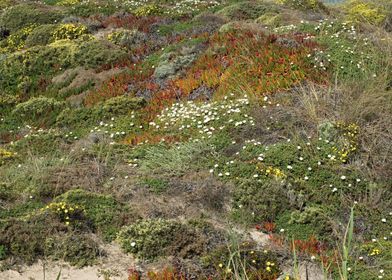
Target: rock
(203, 92)
(96, 137)
(327, 130)
(287, 43)
(173, 62)
(307, 271)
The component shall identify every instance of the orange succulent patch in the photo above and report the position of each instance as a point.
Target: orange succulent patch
(253, 62)
(118, 85)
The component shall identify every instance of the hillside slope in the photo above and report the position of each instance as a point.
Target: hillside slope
(195, 139)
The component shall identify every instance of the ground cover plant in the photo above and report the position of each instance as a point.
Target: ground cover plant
(196, 139)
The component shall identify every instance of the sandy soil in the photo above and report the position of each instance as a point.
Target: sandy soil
(114, 266)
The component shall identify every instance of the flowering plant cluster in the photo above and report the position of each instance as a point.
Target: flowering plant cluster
(69, 31)
(6, 155)
(67, 213)
(17, 40)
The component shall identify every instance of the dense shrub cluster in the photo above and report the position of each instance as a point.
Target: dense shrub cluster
(23, 15)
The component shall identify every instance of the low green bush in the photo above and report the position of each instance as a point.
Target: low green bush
(22, 15)
(247, 10)
(148, 10)
(41, 35)
(151, 238)
(77, 250)
(21, 71)
(127, 38)
(25, 239)
(304, 4)
(121, 105)
(105, 213)
(38, 110)
(365, 11)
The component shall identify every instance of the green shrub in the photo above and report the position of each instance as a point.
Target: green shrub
(17, 40)
(312, 221)
(69, 31)
(25, 239)
(365, 11)
(152, 238)
(156, 185)
(247, 10)
(270, 18)
(7, 101)
(78, 250)
(38, 110)
(148, 10)
(22, 70)
(3, 252)
(252, 205)
(5, 4)
(173, 161)
(304, 4)
(41, 35)
(40, 144)
(127, 38)
(23, 15)
(94, 53)
(121, 105)
(43, 234)
(90, 8)
(106, 214)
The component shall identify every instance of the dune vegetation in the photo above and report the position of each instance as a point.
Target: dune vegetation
(205, 139)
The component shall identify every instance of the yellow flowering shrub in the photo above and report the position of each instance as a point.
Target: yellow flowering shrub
(69, 31)
(17, 40)
(349, 140)
(271, 171)
(147, 10)
(303, 4)
(5, 155)
(365, 11)
(67, 213)
(68, 2)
